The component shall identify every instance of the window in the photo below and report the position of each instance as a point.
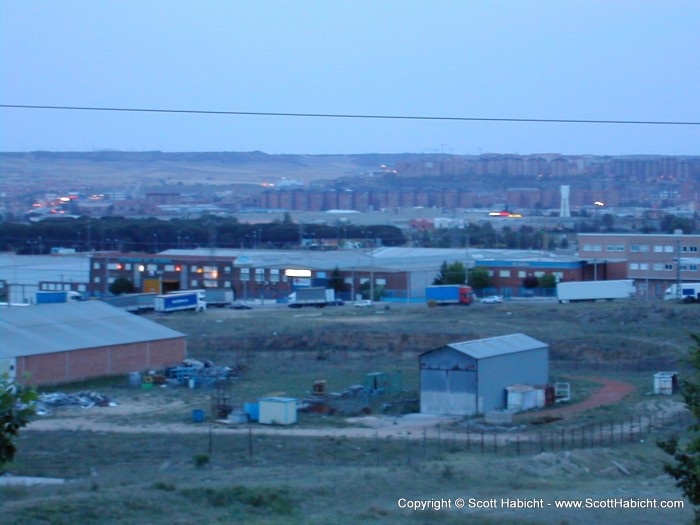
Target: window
(614, 248)
(274, 276)
(658, 249)
(193, 269)
(634, 266)
(227, 284)
(245, 274)
(210, 284)
(634, 248)
(380, 282)
(693, 267)
(658, 266)
(643, 266)
(259, 275)
(364, 280)
(152, 267)
(504, 273)
(522, 273)
(169, 267)
(127, 266)
(668, 267)
(193, 283)
(597, 248)
(587, 248)
(558, 275)
(227, 269)
(96, 279)
(643, 247)
(539, 274)
(96, 266)
(111, 280)
(668, 249)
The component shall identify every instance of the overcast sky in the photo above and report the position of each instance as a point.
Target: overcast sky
(560, 59)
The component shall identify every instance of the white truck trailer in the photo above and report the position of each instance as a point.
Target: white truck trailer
(316, 297)
(686, 292)
(595, 290)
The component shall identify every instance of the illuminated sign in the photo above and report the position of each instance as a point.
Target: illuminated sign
(297, 273)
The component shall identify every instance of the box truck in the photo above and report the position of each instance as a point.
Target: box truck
(686, 292)
(133, 302)
(174, 302)
(315, 296)
(595, 290)
(443, 294)
(57, 297)
(219, 297)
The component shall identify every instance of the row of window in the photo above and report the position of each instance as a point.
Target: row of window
(663, 267)
(62, 287)
(522, 274)
(639, 248)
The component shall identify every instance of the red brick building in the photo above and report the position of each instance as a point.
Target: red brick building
(60, 343)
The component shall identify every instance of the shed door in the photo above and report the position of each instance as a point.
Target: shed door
(448, 392)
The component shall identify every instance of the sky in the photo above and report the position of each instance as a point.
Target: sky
(635, 60)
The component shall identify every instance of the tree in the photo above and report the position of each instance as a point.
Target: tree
(453, 273)
(15, 411)
(547, 281)
(479, 278)
(686, 469)
(121, 285)
(336, 281)
(530, 282)
(609, 221)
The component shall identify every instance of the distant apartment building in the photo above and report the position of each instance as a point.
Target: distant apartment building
(654, 261)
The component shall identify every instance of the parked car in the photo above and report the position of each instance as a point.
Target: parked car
(337, 302)
(364, 303)
(492, 299)
(240, 306)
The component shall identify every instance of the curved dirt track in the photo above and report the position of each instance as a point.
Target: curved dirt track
(611, 393)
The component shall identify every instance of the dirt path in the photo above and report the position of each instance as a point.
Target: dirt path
(611, 393)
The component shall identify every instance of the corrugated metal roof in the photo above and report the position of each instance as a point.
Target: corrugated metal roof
(43, 329)
(495, 346)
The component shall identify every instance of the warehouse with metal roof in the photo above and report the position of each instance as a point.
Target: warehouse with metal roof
(470, 377)
(59, 343)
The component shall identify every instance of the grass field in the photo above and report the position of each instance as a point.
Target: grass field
(201, 477)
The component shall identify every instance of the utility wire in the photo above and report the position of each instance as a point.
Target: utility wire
(356, 116)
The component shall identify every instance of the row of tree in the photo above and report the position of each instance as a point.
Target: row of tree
(479, 278)
(153, 235)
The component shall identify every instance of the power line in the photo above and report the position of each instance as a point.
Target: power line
(355, 116)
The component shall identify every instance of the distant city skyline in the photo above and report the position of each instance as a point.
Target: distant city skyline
(540, 59)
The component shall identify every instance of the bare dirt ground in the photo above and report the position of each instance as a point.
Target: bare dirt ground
(371, 426)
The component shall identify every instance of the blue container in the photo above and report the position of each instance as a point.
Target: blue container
(198, 416)
(253, 410)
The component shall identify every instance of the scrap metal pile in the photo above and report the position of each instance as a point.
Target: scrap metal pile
(196, 373)
(80, 399)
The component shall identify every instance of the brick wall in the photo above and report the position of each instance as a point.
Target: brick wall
(78, 365)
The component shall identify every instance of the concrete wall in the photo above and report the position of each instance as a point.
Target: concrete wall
(78, 365)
